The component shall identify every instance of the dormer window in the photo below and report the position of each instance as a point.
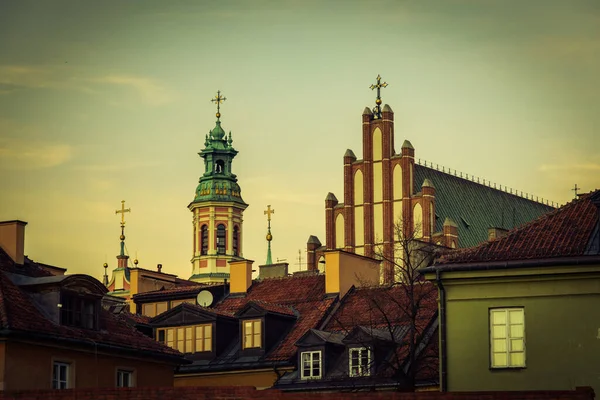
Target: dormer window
(187, 339)
(78, 311)
(360, 361)
(252, 334)
(311, 365)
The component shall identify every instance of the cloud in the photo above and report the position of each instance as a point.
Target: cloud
(25, 154)
(583, 167)
(151, 91)
(19, 77)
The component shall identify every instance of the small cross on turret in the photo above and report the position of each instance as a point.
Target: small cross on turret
(378, 86)
(218, 100)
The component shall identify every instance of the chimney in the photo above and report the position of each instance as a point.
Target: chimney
(345, 270)
(158, 267)
(12, 239)
(240, 273)
(450, 233)
(496, 233)
(277, 270)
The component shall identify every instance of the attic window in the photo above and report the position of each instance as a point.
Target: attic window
(78, 311)
(187, 339)
(252, 334)
(360, 361)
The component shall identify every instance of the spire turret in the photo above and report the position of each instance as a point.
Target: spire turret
(122, 257)
(268, 213)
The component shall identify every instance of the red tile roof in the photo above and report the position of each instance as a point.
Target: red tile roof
(305, 294)
(184, 289)
(19, 314)
(561, 233)
(275, 308)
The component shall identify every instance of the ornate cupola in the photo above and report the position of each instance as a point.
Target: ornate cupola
(217, 208)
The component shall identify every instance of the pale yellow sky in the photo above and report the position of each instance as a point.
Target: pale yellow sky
(104, 101)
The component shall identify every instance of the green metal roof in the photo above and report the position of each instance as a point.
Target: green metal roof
(475, 207)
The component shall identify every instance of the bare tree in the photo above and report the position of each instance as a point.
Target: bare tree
(398, 318)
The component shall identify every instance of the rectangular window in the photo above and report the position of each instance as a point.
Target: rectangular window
(78, 311)
(153, 309)
(507, 337)
(252, 334)
(124, 378)
(187, 339)
(360, 361)
(60, 375)
(311, 365)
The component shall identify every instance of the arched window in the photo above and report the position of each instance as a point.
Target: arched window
(236, 238)
(221, 232)
(204, 240)
(219, 166)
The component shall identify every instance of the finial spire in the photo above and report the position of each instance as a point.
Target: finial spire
(122, 211)
(378, 86)
(576, 189)
(268, 213)
(218, 100)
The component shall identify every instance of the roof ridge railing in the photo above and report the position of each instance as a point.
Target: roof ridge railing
(487, 183)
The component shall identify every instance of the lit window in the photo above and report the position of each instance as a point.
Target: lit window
(221, 233)
(203, 337)
(360, 361)
(311, 365)
(124, 378)
(60, 375)
(252, 337)
(154, 309)
(187, 339)
(507, 337)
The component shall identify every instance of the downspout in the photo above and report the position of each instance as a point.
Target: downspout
(442, 316)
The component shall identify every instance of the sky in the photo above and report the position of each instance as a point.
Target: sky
(103, 101)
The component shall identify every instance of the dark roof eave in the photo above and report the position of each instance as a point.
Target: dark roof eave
(156, 355)
(512, 264)
(187, 369)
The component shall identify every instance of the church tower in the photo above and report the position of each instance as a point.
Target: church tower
(217, 208)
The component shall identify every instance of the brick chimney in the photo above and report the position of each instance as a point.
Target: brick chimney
(12, 239)
(312, 245)
(496, 233)
(240, 273)
(277, 270)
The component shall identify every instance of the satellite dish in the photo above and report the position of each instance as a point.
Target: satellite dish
(204, 298)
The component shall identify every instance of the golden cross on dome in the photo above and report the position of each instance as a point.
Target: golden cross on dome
(122, 211)
(218, 100)
(268, 212)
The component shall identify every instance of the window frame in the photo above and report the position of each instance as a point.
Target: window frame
(508, 339)
(363, 370)
(56, 381)
(236, 241)
(311, 364)
(121, 371)
(204, 240)
(186, 342)
(78, 310)
(253, 333)
(221, 236)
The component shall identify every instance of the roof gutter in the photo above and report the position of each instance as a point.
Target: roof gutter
(495, 265)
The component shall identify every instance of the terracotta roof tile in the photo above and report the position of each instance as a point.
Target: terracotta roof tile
(561, 233)
(275, 308)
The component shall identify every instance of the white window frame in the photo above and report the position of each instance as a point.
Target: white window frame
(121, 372)
(58, 383)
(311, 360)
(508, 341)
(363, 370)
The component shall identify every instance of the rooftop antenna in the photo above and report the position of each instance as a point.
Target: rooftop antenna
(576, 189)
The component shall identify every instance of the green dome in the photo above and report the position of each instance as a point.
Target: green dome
(217, 132)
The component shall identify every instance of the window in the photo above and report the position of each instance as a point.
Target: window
(124, 378)
(187, 339)
(78, 311)
(311, 365)
(60, 375)
(507, 337)
(252, 337)
(236, 239)
(360, 361)
(221, 239)
(204, 240)
(154, 309)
